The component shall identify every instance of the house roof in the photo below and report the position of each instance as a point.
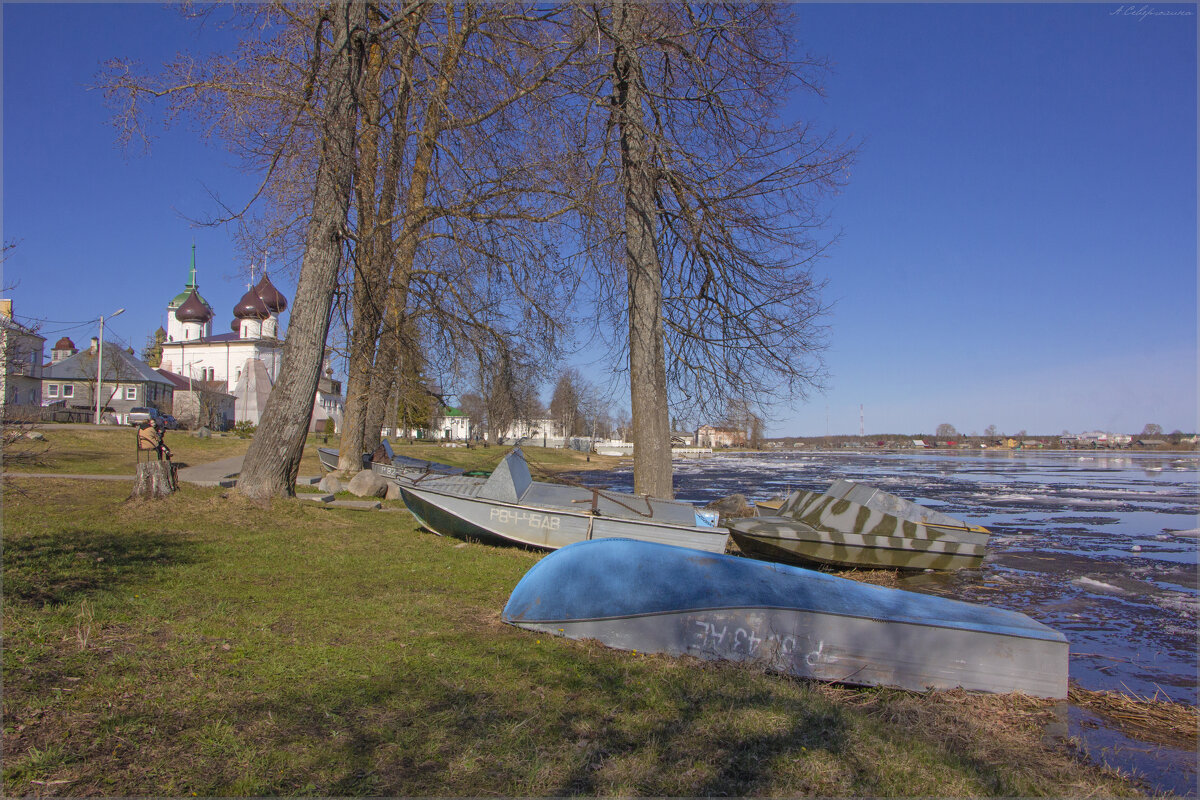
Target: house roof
(118, 365)
(183, 384)
(12, 325)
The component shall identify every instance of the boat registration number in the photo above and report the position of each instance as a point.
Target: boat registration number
(533, 519)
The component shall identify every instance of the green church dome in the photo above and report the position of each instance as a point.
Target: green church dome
(188, 288)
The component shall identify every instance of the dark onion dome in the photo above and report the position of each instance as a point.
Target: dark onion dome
(193, 309)
(236, 325)
(251, 306)
(63, 344)
(271, 297)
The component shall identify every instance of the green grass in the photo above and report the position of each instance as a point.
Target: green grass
(205, 645)
(110, 451)
(542, 460)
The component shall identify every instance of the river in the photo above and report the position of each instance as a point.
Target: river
(1101, 546)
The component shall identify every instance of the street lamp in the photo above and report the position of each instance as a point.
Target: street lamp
(100, 362)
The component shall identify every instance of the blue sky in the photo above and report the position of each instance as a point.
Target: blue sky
(1018, 238)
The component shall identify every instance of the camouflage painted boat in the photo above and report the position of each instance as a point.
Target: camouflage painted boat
(786, 539)
(852, 525)
(655, 599)
(513, 508)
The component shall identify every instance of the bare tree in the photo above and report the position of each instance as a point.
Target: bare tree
(593, 409)
(741, 416)
(21, 440)
(472, 405)
(945, 431)
(507, 381)
(273, 459)
(471, 204)
(289, 99)
(565, 402)
(623, 424)
(715, 208)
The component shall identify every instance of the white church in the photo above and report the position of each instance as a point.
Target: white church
(244, 363)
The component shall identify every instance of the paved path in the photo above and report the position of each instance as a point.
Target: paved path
(222, 472)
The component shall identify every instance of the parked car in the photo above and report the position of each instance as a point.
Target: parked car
(139, 414)
(170, 423)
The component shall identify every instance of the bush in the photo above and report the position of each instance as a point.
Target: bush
(245, 429)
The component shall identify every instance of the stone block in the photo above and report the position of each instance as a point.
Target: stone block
(368, 483)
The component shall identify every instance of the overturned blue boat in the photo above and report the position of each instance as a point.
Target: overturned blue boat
(656, 598)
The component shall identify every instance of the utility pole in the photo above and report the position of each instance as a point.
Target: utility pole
(100, 362)
(862, 426)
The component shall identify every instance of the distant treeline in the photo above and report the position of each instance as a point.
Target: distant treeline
(903, 440)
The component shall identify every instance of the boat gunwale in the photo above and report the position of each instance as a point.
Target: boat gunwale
(1026, 633)
(572, 513)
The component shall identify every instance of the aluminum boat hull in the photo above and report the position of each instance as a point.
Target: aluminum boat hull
(658, 599)
(451, 513)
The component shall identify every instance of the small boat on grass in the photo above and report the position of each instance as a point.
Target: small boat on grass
(852, 525)
(659, 599)
(329, 459)
(513, 508)
(385, 462)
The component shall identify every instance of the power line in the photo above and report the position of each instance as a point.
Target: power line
(62, 321)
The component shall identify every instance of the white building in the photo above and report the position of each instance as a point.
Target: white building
(536, 431)
(248, 359)
(20, 363)
(448, 425)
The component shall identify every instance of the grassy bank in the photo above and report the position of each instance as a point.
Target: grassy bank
(202, 645)
(104, 450)
(109, 450)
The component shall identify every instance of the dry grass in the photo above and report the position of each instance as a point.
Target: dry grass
(1148, 719)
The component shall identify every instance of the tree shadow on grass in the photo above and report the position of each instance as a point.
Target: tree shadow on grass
(462, 733)
(64, 567)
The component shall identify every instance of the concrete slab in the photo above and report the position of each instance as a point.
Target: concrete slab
(356, 505)
(213, 471)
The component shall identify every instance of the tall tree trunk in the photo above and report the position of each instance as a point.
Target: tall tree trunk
(647, 360)
(394, 343)
(368, 281)
(273, 459)
(364, 415)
